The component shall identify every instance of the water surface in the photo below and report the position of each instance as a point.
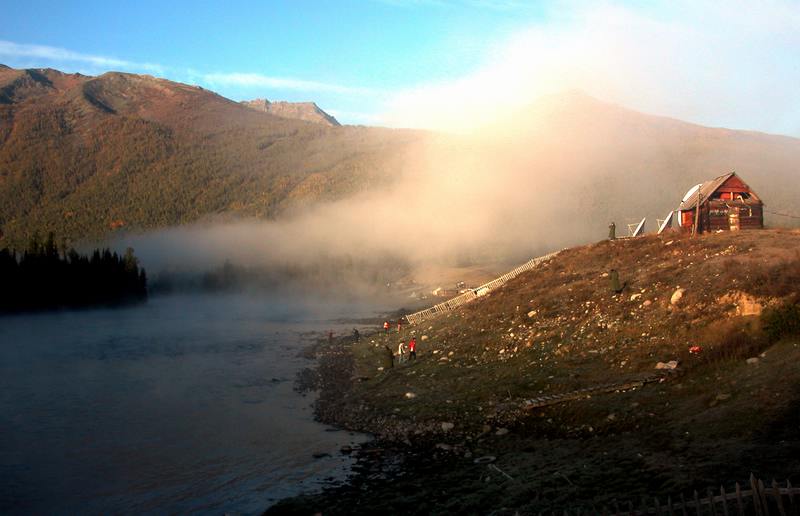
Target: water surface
(183, 404)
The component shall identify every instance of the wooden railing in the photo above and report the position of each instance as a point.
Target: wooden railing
(756, 499)
(466, 297)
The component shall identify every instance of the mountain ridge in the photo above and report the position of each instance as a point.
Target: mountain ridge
(88, 157)
(308, 111)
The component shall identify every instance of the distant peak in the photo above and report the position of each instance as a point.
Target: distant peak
(308, 111)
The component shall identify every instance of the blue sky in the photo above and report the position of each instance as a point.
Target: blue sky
(369, 47)
(426, 62)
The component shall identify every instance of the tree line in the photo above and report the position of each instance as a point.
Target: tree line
(43, 278)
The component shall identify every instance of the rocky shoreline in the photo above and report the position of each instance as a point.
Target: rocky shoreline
(664, 396)
(419, 467)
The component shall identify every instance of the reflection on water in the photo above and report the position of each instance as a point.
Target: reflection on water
(182, 404)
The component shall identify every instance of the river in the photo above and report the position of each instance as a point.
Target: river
(183, 404)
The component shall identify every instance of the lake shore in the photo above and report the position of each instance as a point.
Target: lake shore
(455, 431)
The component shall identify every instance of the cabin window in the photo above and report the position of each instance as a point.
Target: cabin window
(730, 196)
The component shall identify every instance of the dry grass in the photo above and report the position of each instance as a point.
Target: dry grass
(490, 355)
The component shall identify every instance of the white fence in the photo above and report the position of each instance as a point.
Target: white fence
(466, 297)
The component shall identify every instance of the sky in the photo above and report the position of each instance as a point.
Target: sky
(440, 64)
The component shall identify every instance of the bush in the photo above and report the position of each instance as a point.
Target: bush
(781, 322)
(732, 339)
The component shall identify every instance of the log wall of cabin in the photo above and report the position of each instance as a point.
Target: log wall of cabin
(714, 215)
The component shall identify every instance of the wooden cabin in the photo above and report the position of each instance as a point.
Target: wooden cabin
(726, 202)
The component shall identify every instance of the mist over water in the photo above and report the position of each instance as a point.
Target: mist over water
(183, 404)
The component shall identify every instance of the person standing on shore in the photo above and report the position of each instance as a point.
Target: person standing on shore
(412, 348)
(400, 325)
(389, 358)
(385, 326)
(401, 352)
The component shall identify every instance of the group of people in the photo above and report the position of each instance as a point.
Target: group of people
(412, 350)
(402, 349)
(387, 326)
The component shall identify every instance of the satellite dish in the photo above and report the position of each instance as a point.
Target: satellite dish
(640, 228)
(667, 223)
(691, 191)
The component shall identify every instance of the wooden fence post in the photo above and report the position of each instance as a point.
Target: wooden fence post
(739, 503)
(763, 496)
(776, 492)
(756, 497)
(790, 489)
(724, 500)
(711, 503)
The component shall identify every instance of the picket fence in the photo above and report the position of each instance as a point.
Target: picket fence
(470, 295)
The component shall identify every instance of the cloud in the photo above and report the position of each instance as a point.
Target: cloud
(726, 64)
(61, 55)
(255, 80)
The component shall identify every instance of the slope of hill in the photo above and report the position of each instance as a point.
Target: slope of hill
(728, 409)
(89, 156)
(597, 162)
(83, 156)
(308, 111)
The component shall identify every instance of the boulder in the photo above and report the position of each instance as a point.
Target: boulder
(676, 296)
(669, 366)
(410, 395)
(745, 303)
(753, 360)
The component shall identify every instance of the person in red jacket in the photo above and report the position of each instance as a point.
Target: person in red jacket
(412, 348)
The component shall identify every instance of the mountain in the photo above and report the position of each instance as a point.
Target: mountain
(86, 156)
(307, 111)
(587, 163)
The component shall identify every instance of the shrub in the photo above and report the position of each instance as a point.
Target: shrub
(780, 322)
(732, 339)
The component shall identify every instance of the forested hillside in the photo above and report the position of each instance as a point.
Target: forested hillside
(84, 157)
(89, 157)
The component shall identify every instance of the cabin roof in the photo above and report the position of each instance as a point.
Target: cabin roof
(708, 188)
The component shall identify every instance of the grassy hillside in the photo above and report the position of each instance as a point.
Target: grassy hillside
(726, 411)
(86, 156)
